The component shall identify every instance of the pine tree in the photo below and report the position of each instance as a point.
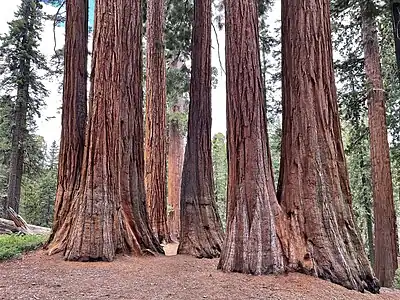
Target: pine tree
(21, 63)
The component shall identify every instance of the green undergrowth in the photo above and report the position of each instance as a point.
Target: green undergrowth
(14, 245)
(396, 282)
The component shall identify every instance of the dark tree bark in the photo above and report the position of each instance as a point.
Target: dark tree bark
(74, 112)
(313, 185)
(176, 150)
(19, 130)
(251, 245)
(385, 263)
(18, 143)
(155, 138)
(396, 31)
(201, 229)
(108, 213)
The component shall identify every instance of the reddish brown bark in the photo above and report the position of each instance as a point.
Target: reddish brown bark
(251, 245)
(155, 139)
(108, 213)
(74, 113)
(176, 152)
(201, 230)
(313, 185)
(385, 263)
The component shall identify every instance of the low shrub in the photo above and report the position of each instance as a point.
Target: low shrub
(13, 245)
(396, 282)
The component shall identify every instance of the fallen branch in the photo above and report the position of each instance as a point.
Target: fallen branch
(18, 224)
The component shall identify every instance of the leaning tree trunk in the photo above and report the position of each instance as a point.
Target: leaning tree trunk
(108, 214)
(176, 152)
(155, 139)
(74, 111)
(385, 263)
(201, 229)
(313, 185)
(251, 245)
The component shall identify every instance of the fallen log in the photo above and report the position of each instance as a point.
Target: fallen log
(18, 224)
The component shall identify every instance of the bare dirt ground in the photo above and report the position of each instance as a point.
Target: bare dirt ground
(38, 276)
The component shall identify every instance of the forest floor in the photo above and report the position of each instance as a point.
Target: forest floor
(38, 276)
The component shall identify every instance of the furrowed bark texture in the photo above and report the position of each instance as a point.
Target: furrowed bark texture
(74, 113)
(251, 243)
(109, 210)
(385, 263)
(155, 138)
(201, 229)
(313, 185)
(176, 153)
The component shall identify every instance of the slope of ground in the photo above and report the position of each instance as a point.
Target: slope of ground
(38, 276)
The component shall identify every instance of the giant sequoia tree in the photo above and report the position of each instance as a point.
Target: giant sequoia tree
(313, 230)
(201, 230)
(313, 185)
(251, 243)
(73, 118)
(385, 216)
(108, 214)
(155, 138)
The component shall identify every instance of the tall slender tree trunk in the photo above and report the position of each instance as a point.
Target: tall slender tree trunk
(19, 129)
(251, 243)
(385, 216)
(395, 6)
(74, 112)
(18, 143)
(313, 187)
(155, 138)
(176, 152)
(109, 211)
(201, 229)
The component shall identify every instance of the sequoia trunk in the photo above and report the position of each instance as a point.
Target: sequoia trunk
(385, 263)
(74, 112)
(201, 229)
(313, 185)
(108, 213)
(176, 152)
(251, 245)
(155, 139)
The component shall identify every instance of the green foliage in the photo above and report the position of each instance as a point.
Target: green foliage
(14, 245)
(5, 144)
(38, 192)
(20, 59)
(274, 140)
(352, 90)
(220, 167)
(396, 283)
